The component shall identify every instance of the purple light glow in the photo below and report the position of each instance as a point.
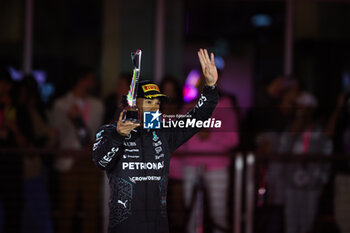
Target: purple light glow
(40, 76)
(190, 90)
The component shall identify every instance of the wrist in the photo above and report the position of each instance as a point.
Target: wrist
(210, 84)
(213, 86)
(121, 133)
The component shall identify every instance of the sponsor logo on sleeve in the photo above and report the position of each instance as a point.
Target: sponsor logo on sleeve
(98, 140)
(201, 101)
(108, 157)
(96, 145)
(99, 135)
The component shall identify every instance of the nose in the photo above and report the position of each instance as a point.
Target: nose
(154, 108)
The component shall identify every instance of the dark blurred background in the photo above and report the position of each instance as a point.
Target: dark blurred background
(66, 33)
(284, 66)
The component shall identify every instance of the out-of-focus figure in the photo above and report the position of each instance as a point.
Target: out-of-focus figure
(215, 172)
(32, 122)
(172, 89)
(271, 184)
(272, 112)
(304, 182)
(113, 100)
(11, 185)
(76, 116)
(339, 130)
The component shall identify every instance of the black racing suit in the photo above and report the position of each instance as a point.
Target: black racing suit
(137, 167)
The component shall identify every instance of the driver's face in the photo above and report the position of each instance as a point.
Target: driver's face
(147, 105)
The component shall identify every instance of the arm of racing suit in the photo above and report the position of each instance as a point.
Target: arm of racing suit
(202, 111)
(108, 147)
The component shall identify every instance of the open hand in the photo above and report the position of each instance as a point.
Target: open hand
(208, 67)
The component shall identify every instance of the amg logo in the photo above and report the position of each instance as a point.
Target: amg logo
(142, 166)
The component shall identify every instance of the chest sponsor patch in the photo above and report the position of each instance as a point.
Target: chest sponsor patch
(131, 156)
(131, 150)
(142, 165)
(129, 143)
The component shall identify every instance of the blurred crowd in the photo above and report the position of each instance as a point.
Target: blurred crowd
(51, 193)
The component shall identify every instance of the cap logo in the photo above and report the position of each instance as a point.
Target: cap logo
(150, 87)
(154, 96)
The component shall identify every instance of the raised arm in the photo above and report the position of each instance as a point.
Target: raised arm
(206, 103)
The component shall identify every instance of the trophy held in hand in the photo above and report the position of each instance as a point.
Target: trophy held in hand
(132, 113)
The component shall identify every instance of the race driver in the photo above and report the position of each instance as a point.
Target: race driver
(136, 160)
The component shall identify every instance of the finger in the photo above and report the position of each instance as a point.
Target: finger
(130, 127)
(128, 123)
(201, 59)
(206, 56)
(212, 60)
(201, 55)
